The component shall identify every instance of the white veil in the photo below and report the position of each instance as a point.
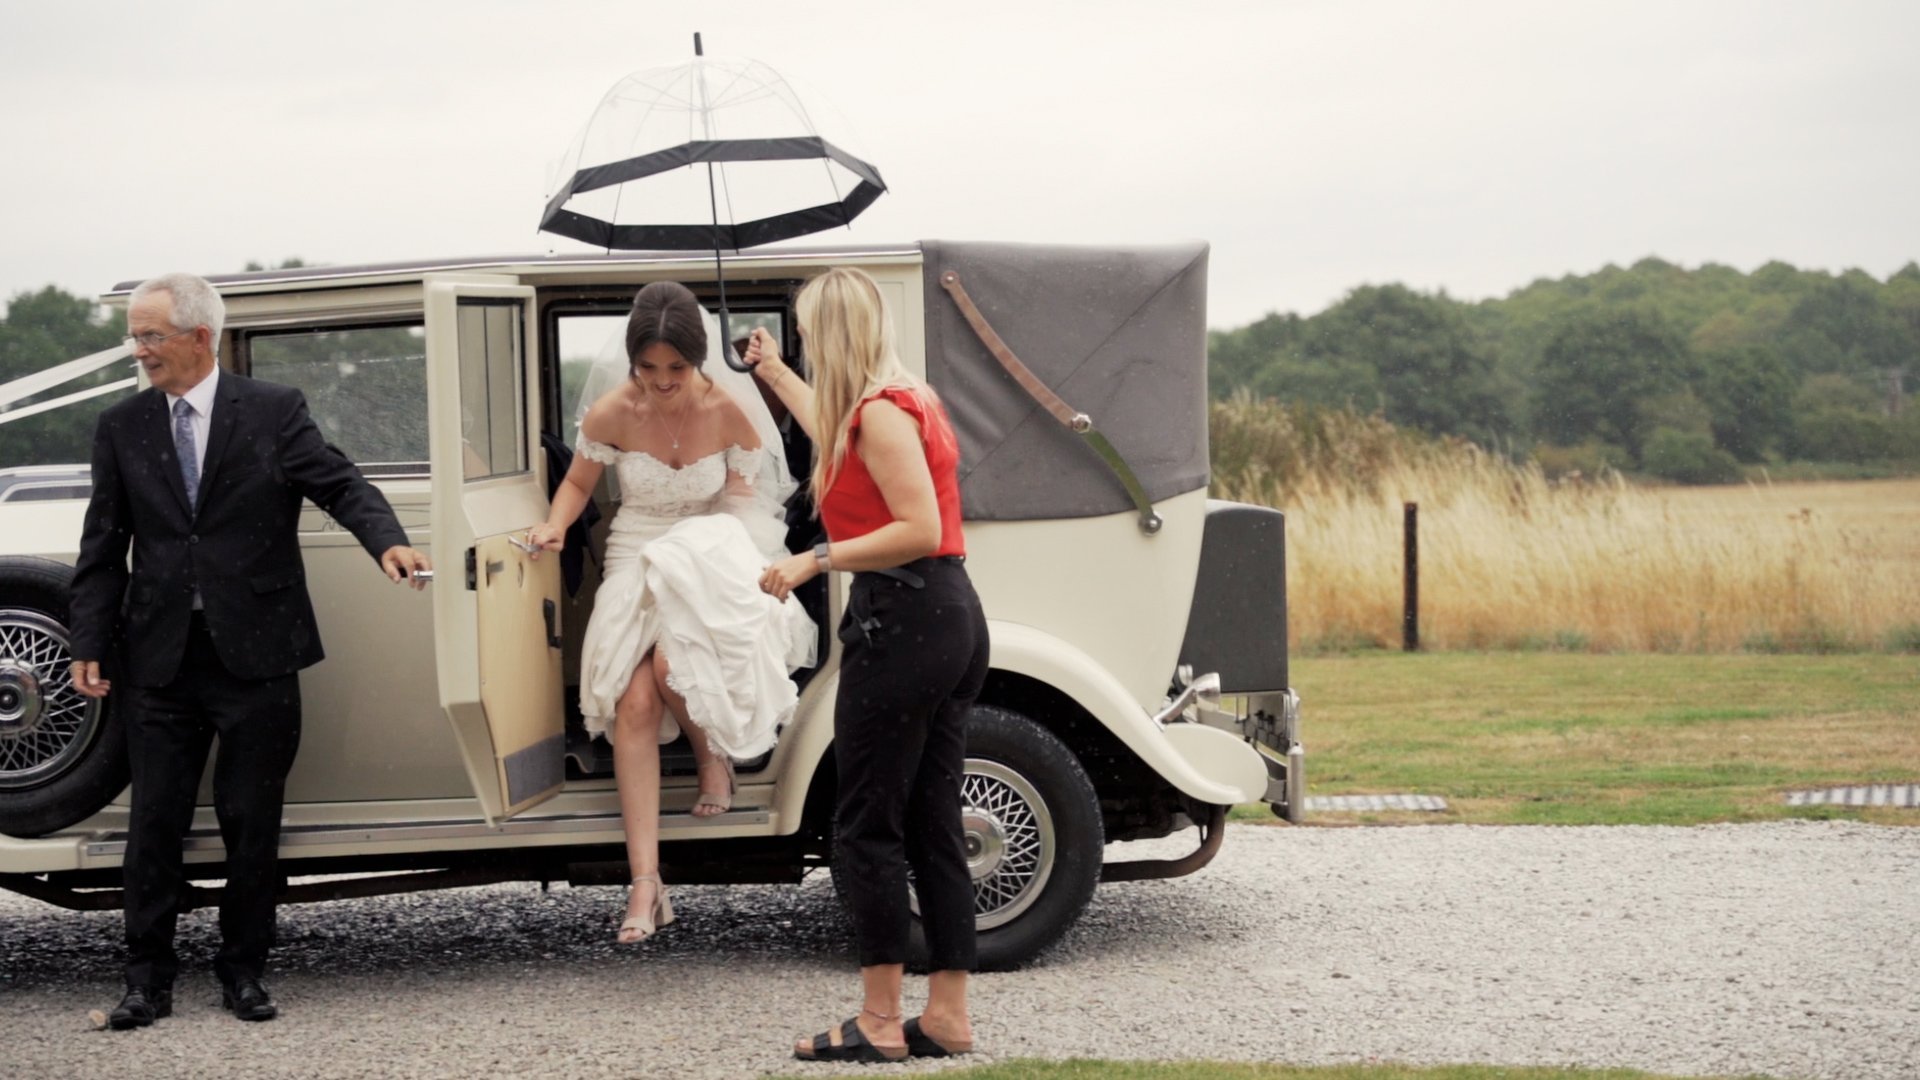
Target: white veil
(764, 512)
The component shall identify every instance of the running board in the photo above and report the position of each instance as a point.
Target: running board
(299, 836)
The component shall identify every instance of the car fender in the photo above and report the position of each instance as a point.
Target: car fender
(803, 743)
(1208, 765)
(45, 530)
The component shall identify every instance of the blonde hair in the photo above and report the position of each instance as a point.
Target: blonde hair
(850, 349)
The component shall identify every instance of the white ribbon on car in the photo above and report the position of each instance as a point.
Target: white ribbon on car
(28, 385)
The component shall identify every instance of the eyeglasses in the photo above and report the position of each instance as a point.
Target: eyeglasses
(152, 340)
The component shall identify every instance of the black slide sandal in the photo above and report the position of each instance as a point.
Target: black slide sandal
(853, 1046)
(921, 1044)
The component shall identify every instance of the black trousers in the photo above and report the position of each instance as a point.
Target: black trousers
(169, 731)
(915, 661)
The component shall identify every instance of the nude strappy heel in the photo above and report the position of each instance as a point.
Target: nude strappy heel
(719, 802)
(659, 913)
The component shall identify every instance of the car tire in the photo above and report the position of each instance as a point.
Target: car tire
(62, 756)
(1023, 785)
(1035, 840)
(1025, 793)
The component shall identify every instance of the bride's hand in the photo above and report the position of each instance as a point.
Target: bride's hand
(544, 537)
(789, 573)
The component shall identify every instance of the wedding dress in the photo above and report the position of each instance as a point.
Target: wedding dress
(682, 575)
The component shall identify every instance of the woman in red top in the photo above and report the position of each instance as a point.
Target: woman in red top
(914, 662)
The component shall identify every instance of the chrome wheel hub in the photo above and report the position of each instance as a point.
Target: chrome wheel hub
(986, 841)
(20, 702)
(45, 724)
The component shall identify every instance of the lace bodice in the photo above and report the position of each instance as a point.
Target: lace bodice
(655, 489)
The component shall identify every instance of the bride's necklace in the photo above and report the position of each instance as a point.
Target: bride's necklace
(673, 433)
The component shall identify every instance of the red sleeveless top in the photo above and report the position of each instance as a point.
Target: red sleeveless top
(854, 507)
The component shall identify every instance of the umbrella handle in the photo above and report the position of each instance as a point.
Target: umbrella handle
(726, 340)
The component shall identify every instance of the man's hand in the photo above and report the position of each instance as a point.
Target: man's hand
(401, 561)
(87, 680)
(788, 574)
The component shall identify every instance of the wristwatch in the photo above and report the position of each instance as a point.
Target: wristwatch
(821, 557)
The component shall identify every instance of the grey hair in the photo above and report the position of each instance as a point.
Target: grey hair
(195, 303)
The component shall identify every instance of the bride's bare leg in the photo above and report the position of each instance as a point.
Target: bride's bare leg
(716, 774)
(636, 773)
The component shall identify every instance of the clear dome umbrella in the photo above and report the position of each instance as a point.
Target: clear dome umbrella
(717, 153)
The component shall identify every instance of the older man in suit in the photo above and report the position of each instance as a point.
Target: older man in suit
(202, 476)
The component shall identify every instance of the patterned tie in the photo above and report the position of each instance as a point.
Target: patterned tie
(183, 448)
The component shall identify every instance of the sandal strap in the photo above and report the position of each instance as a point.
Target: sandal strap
(853, 1045)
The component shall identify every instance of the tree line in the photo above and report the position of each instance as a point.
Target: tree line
(42, 329)
(1685, 374)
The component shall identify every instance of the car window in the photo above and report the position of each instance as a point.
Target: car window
(47, 492)
(583, 339)
(366, 387)
(493, 388)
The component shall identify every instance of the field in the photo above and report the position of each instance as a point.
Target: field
(1574, 739)
(1511, 560)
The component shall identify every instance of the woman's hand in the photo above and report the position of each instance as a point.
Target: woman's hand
(763, 356)
(788, 574)
(544, 537)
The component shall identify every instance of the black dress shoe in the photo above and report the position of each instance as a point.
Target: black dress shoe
(248, 999)
(142, 1006)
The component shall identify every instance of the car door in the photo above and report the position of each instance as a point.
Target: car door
(496, 609)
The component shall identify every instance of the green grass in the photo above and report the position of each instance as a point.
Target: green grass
(1082, 1069)
(1576, 739)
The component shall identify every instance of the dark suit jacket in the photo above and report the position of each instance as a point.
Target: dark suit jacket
(240, 548)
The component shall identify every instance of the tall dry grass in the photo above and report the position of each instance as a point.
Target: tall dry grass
(1509, 559)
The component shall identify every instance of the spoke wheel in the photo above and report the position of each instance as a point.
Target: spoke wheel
(1010, 840)
(45, 724)
(1034, 840)
(62, 756)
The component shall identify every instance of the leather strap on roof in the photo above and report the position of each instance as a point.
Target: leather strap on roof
(1077, 422)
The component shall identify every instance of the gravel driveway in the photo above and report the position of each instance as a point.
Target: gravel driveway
(1785, 949)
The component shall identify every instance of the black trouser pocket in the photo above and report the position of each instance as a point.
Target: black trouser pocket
(869, 602)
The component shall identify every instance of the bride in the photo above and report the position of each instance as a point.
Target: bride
(681, 637)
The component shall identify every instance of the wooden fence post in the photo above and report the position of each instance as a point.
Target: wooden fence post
(1410, 621)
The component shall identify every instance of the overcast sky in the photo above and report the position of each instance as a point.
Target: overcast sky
(1470, 146)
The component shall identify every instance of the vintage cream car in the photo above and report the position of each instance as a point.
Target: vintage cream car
(1139, 681)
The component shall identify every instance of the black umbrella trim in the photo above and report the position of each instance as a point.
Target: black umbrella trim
(766, 230)
(745, 234)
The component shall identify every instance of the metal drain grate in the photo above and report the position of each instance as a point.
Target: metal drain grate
(1907, 795)
(1352, 803)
